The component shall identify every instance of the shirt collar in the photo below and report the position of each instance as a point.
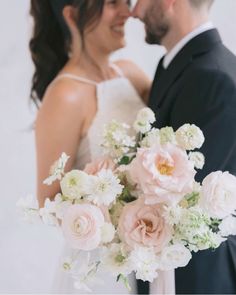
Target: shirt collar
(174, 51)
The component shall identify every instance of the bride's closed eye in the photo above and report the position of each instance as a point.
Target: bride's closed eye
(117, 2)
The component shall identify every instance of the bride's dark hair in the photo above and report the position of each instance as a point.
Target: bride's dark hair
(51, 36)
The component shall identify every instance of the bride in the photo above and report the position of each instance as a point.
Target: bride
(78, 89)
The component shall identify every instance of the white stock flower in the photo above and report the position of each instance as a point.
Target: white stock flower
(107, 232)
(57, 169)
(145, 263)
(115, 259)
(104, 188)
(173, 214)
(151, 138)
(28, 208)
(189, 137)
(198, 159)
(174, 256)
(75, 184)
(193, 230)
(167, 134)
(48, 213)
(116, 140)
(228, 226)
(144, 119)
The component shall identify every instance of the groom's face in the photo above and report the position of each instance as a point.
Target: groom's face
(153, 14)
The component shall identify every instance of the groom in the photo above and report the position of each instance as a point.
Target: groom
(195, 83)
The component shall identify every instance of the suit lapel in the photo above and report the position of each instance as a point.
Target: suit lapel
(197, 46)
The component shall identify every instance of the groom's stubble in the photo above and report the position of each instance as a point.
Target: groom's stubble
(156, 24)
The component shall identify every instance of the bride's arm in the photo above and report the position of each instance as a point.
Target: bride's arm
(139, 79)
(58, 129)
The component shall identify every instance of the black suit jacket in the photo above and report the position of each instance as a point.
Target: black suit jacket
(199, 87)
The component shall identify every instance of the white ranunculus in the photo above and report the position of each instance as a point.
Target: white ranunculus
(104, 188)
(189, 137)
(145, 263)
(75, 184)
(228, 226)
(174, 256)
(198, 159)
(218, 196)
(107, 232)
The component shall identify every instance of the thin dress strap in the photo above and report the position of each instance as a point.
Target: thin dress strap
(77, 78)
(117, 69)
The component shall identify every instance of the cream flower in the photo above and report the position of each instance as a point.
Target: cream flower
(104, 189)
(145, 263)
(75, 184)
(197, 158)
(174, 256)
(189, 137)
(218, 196)
(57, 169)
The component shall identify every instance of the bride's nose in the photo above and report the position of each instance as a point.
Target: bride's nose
(125, 9)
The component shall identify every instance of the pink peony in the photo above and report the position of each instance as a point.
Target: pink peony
(143, 225)
(99, 164)
(163, 173)
(81, 226)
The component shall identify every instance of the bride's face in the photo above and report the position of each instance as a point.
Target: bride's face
(109, 33)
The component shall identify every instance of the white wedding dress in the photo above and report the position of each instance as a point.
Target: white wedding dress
(116, 99)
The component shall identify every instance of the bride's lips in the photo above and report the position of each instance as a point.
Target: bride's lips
(118, 29)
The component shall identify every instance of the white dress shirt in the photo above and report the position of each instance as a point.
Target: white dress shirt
(174, 51)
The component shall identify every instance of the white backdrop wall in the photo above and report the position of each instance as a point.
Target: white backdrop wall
(28, 254)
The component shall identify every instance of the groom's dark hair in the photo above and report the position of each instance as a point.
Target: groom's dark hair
(199, 3)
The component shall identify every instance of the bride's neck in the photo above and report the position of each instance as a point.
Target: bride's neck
(94, 62)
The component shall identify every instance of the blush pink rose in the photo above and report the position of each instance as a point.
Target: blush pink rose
(163, 173)
(81, 226)
(99, 164)
(144, 225)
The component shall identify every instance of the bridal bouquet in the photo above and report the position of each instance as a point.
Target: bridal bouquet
(139, 207)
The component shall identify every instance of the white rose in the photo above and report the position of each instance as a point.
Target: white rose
(174, 256)
(218, 196)
(189, 137)
(228, 226)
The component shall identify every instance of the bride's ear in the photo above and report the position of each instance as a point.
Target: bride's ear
(69, 17)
